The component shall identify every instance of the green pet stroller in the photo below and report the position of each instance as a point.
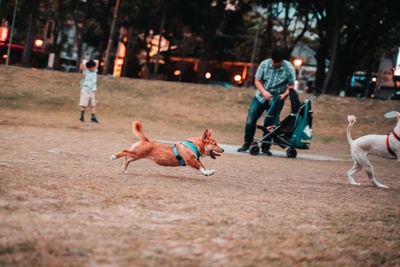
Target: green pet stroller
(294, 132)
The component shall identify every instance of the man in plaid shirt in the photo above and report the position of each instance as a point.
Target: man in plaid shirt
(273, 79)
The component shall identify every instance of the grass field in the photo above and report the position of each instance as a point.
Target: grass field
(64, 203)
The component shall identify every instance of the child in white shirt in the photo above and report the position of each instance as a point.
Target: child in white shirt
(88, 88)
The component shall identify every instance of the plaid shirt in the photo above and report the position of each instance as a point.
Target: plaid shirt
(275, 81)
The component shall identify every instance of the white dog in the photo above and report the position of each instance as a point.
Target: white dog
(385, 146)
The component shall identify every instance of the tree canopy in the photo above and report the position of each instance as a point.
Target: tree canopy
(351, 34)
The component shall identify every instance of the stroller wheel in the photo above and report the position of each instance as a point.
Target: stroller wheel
(254, 150)
(291, 152)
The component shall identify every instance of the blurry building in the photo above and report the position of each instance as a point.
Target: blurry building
(69, 50)
(306, 72)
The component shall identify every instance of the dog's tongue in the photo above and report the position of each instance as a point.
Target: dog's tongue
(213, 154)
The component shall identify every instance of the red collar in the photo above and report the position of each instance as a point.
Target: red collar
(396, 136)
(387, 143)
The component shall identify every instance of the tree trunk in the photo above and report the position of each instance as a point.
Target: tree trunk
(160, 35)
(104, 25)
(285, 25)
(78, 38)
(147, 72)
(321, 56)
(328, 83)
(56, 47)
(131, 43)
(266, 45)
(110, 39)
(249, 78)
(213, 25)
(182, 54)
(31, 34)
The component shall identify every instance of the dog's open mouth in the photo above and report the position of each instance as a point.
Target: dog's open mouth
(213, 154)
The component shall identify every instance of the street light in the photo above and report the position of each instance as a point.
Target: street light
(38, 43)
(298, 62)
(208, 75)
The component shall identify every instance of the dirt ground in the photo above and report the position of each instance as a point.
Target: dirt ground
(63, 202)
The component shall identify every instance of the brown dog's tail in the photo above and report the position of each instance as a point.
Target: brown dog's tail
(138, 131)
(352, 120)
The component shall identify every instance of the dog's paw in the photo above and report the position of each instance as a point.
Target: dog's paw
(381, 185)
(113, 157)
(207, 172)
(355, 183)
(124, 171)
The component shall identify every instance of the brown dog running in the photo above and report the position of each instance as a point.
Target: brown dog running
(180, 155)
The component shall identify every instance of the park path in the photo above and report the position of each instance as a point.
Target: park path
(232, 149)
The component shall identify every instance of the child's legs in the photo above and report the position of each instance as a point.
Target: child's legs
(84, 100)
(272, 117)
(92, 102)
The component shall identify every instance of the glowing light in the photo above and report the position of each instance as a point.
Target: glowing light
(4, 56)
(38, 43)
(177, 72)
(237, 78)
(3, 34)
(397, 72)
(118, 67)
(374, 79)
(102, 63)
(208, 75)
(298, 62)
(121, 50)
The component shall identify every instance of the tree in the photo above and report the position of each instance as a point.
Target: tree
(31, 33)
(348, 31)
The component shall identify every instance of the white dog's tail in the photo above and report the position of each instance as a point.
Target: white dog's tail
(352, 120)
(138, 131)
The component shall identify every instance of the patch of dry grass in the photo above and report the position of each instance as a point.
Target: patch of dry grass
(182, 105)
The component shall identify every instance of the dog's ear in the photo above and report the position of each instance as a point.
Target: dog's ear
(205, 135)
(209, 134)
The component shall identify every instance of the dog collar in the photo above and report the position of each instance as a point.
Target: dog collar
(388, 146)
(193, 147)
(178, 157)
(396, 136)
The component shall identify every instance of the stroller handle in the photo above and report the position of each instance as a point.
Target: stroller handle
(317, 93)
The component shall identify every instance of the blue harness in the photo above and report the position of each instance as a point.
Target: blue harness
(189, 145)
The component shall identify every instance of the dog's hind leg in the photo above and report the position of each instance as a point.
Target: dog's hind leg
(356, 168)
(370, 171)
(119, 155)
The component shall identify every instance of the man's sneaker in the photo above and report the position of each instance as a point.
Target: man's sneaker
(82, 119)
(94, 120)
(244, 148)
(266, 151)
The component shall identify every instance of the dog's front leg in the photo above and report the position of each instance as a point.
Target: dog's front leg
(370, 172)
(199, 166)
(126, 163)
